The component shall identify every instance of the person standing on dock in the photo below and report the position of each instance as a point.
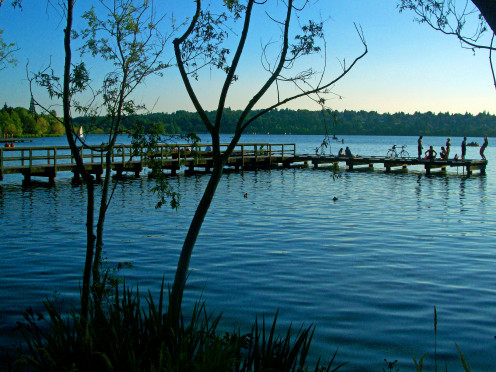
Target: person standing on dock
(448, 147)
(483, 148)
(464, 147)
(420, 147)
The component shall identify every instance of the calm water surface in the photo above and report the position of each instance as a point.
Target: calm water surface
(366, 269)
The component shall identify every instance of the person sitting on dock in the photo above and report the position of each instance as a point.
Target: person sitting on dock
(456, 157)
(443, 154)
(341, 152)
(347, 152)
(431, 153)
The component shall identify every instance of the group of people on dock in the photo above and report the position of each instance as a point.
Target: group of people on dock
(431, 154)
(346, 153)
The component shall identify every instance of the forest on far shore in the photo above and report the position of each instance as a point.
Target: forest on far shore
(23, 122)
(346, 122)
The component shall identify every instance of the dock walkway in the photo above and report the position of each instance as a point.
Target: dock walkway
(48, 161)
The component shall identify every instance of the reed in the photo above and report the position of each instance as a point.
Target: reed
(130, 335)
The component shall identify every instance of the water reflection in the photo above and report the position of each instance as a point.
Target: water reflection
(366, 269)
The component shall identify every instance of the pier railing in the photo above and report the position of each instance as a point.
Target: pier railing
(37, 160)
(47, 161)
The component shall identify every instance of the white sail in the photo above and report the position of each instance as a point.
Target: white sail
(81, 131)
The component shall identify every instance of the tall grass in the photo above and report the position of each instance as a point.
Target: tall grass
(130, 335)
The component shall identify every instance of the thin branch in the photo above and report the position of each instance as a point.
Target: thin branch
(315, 90)
(491, 61)
(234, 65)
(180, 64)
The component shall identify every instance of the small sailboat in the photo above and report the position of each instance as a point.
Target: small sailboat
(80, 132)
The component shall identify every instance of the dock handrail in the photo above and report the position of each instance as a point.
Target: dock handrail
(27, 157)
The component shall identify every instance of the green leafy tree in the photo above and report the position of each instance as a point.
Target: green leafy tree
(278, 69)
(127, 38)
(7, 51)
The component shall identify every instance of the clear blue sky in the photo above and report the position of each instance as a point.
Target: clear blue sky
(409, 67)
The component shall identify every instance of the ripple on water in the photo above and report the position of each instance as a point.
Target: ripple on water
(366, 269)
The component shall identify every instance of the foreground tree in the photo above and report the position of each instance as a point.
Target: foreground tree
(488, 10)
(469, 24)
(309, 83)
(129, 40)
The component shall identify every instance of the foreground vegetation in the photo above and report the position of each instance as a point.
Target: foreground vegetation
(131, 336)
(135, 333)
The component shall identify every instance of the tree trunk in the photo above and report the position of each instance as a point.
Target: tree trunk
(90, 237)
(488, 10)
(189, 242)
(97, 285)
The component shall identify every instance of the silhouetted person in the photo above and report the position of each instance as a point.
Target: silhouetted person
(341, 153)
(420, 147)
(483, 148)
(347, 152)
(443, 154)
(448, 147)
(464, 147)
(431, 153)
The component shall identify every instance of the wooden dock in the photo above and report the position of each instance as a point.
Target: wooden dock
(48, 161)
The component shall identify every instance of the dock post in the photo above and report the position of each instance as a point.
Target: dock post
(27, 175)
(469, 170)
(1, 164)
(51, 175)
(77, 176)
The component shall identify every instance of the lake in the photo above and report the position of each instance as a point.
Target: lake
(366, 269)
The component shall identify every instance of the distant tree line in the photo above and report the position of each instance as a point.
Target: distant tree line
(318, 122)
(21, 122)
(17, 122)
